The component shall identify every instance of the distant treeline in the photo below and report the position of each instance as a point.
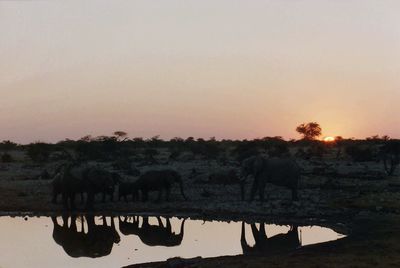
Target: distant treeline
(119, 146)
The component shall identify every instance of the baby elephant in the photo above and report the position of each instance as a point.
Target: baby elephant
(159, 180)
(126, 189)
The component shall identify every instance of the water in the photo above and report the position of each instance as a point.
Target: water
(36, 242)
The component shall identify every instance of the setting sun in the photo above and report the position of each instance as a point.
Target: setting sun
(329, 139)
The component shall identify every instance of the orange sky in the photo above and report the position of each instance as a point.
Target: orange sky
(228, 69)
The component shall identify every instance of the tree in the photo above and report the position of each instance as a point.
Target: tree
(391, 156)
(310, 131)
(121, 135)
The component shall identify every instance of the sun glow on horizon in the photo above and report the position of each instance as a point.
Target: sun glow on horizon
(329, 139)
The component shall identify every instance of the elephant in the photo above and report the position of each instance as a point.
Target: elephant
(97, 242)
(158, 180)
(226, 177)
(268, 246)
(58, 184)
(127, 227)
(102, 181)
(153, 235)
(126, 189)
(69, 181)
(77, 178)
(278, 171)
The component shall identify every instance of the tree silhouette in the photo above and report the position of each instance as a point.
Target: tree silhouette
(121, 135)
(309, 131)
(391, 156)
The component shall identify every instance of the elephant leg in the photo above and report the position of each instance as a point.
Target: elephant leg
(136, 196)
(253, 189)
(90, 200)
(294, 194)
(82, 198)
(160, 223)
(54, 199)
(159, 195)
(83, 224)
(168, 193)
(72, 200)
(261, 189)
(169, 225)
(256, 233)
(262, 232)
(73, 225)
(65, 200)
(145, 195)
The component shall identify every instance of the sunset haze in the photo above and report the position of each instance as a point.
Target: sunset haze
(228, 69)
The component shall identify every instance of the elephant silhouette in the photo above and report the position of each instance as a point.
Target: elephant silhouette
(129, 225)
(96, 242)
(152, 235)
(268, 246)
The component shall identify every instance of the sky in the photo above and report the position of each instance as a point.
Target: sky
(212, 68)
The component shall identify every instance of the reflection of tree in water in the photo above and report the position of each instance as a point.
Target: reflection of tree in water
(268, 246)
(152, 235)
(96, 241)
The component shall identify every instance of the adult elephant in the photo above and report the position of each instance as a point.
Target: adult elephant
(77, 178)
(158, 180)
(101, 181)
(68, 182)
(265, 245)
(278, 171)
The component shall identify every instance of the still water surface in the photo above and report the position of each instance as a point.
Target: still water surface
(120, 241)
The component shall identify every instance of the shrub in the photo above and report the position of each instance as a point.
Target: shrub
(39, 151)
(6, 158)
(360, 153)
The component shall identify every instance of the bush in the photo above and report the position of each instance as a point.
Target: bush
(6, 158)
(39, 152)
(360, 153)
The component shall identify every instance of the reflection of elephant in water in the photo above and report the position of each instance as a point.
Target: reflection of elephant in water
(281, 172)
(159, 180)
(75, 179)
(152, 235)
(267, 246)
(97, 242)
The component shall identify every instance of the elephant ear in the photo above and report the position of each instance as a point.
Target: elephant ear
(258, 165)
